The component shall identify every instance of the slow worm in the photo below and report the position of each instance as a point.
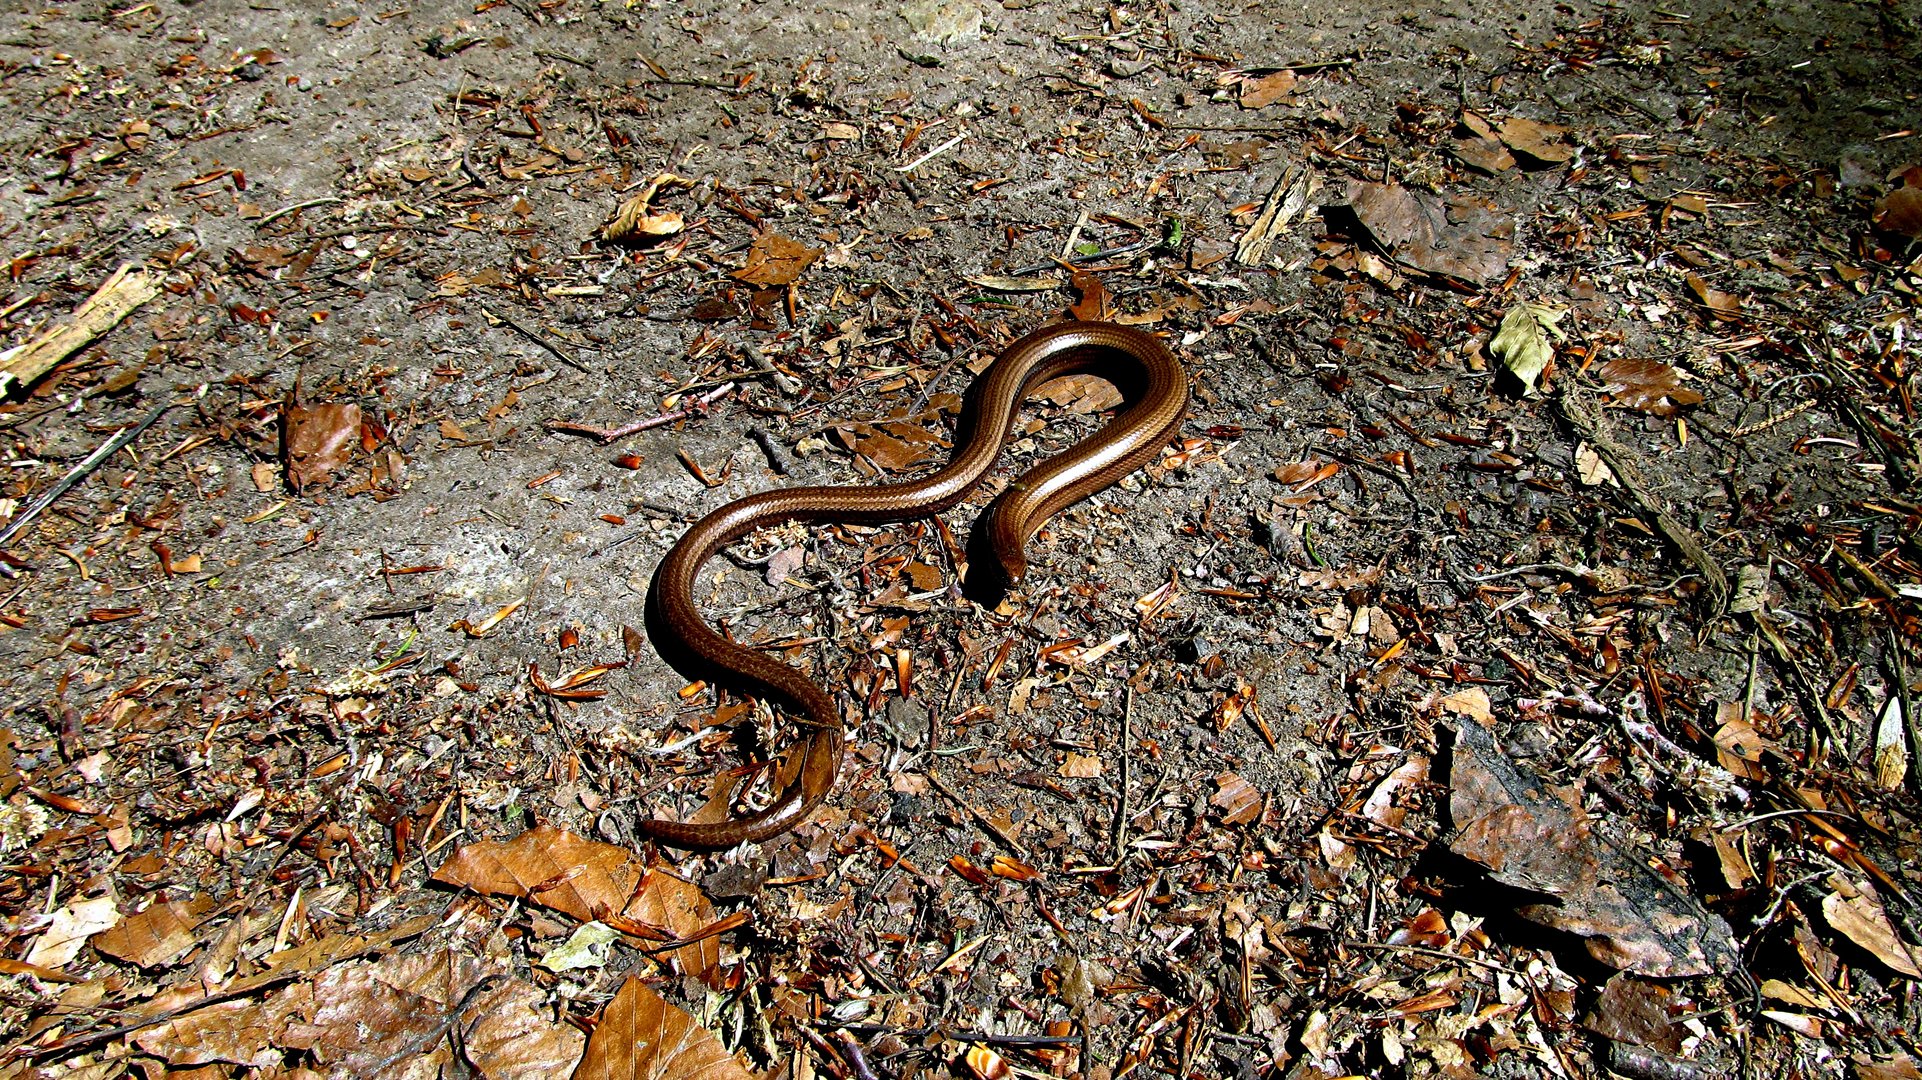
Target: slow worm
(1156, 390)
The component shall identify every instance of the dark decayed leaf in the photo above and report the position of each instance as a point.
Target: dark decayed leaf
(1633, 918)
(1647, 385)
(1462, 238)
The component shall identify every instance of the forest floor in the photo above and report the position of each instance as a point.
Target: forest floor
(1507, 671)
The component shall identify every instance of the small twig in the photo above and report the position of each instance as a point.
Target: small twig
(982, 819)
(80, 472)
(776, 460)
(608, 435)
(324, 200)
(537, 338)
(1438, 953)
(932, 154)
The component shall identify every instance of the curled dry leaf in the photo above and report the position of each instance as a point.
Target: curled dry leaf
(1900, 211)
(643, 1037)
(638, 222)
(1633, 918)
(776, 260)
(316, 441)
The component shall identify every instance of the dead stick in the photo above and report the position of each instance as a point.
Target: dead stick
(1582, 414)
(608, 435)
(80, 472)
(535, 336)
(993, 830)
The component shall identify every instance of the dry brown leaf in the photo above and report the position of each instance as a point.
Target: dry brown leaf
(159, 935)
(1259, 91)
(550, 867)
(1080, 394)
(1545, 143)
(1633, 918)
(1633, 1010)
(924, 577)
(67, 933)
(1900, 212)
(680, 908)
(1080, 766)
(776, 260)
(1462, 238)
(1095, 305)
(642, 1037)
(1238, 800)
(317, 440)
(1647, 385)
(1860, 918)
(1383, 804)
(1721, 304)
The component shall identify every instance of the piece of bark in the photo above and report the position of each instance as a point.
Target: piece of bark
(113, 301)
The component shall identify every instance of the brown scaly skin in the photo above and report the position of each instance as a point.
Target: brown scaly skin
(1137, 362)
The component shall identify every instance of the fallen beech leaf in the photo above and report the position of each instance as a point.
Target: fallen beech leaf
(316, 440)
(1095, 304)
(1382, 805)
(1721, 304)
(550, 867)
(776, 260)
(1900, 212)
(70, 928)
(680, 908)
(1647, 385)
(1633, 1010)
(1590, 469)
(1239, 802)
(1544, 143)
(157, 936)
(642, 1036)
(1633, 918)
(1470, 701)
(1080, 394)
(1080, 766)
(1264, 90)
(1521, 344)
(1861, 919)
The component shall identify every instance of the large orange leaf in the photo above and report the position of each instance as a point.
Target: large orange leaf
(642, 1037)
